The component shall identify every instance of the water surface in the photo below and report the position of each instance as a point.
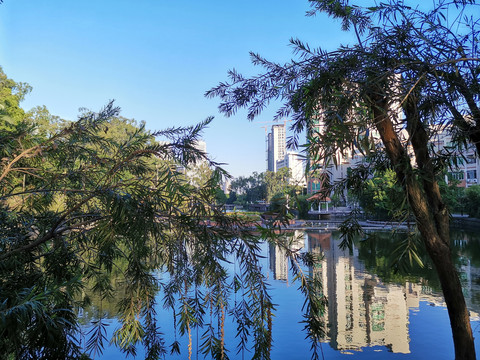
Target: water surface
(374, 312)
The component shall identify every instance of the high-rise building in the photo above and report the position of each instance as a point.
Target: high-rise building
(277, 147)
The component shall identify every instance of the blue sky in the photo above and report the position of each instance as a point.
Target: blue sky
(156, 58)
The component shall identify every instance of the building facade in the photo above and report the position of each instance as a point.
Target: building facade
(276, 147)
(296, 163)
(466, 169)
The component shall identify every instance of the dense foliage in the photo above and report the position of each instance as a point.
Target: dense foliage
(82, 200)
(381, 197)
(248, 189)
(472, 201)
(264, 187)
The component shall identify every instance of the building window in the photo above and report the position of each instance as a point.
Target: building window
(470, 159)
(471, 174)
(458, 175)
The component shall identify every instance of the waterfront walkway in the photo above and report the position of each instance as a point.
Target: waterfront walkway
(457, 221)
(332, 224)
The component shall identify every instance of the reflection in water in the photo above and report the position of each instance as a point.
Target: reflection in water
(369, 305)
(278, 258)
(102, 307)
(97, 306)
(468, 264)
(362, 309)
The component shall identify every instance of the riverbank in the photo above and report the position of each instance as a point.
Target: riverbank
(464, 222)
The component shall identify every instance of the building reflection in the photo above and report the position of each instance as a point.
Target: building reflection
(278, 259)
(362, 310)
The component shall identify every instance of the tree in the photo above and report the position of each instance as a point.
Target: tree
(100, 195)
(472, 201)
(11, 94)
(381, 196)
(45, 123)
(412, 74)
(453, 195)
(232, 197)
(75, 201)
(302, 205)
(199, 174)
(253, 187)
(220, 196)
(277, 182)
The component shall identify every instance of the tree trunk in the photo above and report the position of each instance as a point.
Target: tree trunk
(452, 292)
(431, 216)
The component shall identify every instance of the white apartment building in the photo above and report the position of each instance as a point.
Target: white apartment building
(201, 145)
(296, 163)
(194, 171)
(278, 157)
(332, 170)
(467, 168)
(225, 185)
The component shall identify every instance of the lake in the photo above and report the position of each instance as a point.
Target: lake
(374, 312)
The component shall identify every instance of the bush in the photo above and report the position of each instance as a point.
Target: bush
(472, 201)
(302, 206)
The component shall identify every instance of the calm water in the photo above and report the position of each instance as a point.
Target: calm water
(373, 311)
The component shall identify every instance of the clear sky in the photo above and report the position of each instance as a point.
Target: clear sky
(156, 58)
